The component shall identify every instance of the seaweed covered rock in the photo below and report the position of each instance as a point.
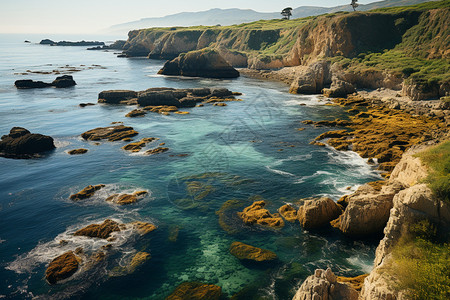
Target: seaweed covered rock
(137, 146)
(124, 199)
(62, 267)
(288, 212)
(112, 133)
(257, 214)
(196, 291)
(318, 212)
(77, 151)
(246, 252)
(20, 143)
(201, 63)
(86, 193)
(102, 230)
(143, 227)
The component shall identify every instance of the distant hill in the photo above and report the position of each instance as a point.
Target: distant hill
(237, 16)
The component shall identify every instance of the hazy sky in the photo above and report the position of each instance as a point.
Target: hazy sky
(91, 16)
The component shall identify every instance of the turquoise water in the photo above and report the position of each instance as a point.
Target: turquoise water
(244, 151)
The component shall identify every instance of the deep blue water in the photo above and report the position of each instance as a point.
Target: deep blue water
(238, 147)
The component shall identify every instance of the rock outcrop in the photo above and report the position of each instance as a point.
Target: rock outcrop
(116, 96)
(249, 253)
(125, 199)
(203, 63)
(318, 212)
(323, 285)
(64, 81)
(62, 267)
(196, 291)
(20, 143)
(86, 193)
(102, 230)
(257, 214)
(137, 146)
(288, 212)
(66, 43)
(312, 79)
(77, 151)
(112, 133)
(339, 88)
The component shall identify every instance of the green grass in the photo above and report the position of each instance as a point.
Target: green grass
(438, 160)
(421, 264)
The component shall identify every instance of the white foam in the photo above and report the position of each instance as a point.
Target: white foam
(279, 172)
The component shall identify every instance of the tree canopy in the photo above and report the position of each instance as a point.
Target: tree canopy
(286, 13)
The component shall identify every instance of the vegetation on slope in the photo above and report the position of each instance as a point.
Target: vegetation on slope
(421, 264)
(438, 160)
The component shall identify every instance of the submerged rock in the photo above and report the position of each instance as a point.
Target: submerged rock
(77, 151)
(257, 214)
(112, 133)
(246, 252)
(196, 291)
(143, 227)
(87, 192)
(102, 230)
(20, 143)
(324, 286)
(124, 199)
(156, 151)
(318, 212)
(201, 63)
(62, 267)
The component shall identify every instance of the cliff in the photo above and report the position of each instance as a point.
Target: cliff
(402, 48)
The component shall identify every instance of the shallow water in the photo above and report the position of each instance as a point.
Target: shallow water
(244, 151)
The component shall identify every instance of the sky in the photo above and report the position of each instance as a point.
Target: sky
(93, 16)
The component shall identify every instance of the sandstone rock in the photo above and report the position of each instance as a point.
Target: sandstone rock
(20, 143)
(102, 230)
(324, 286)
(257, 214)
(312, 80)
(143, 227)
(116, 96)
(288, 212)
(77, 151)
(339, 88)
(367, 211)
(31, 84)
(317, 213)
(410, 170)
(202, 63)
(246, 252)
(156, 151)
(196, 291)
(64, 81)
(112, 133)
(87, 192)
(61, 267)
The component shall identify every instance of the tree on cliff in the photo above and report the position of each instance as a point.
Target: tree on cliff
(286, 13)
(354, 4)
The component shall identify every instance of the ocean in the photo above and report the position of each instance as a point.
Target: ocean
(245, 151)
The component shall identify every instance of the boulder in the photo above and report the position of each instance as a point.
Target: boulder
(31, 84)
(102, 230)
(136, 113)
(64, 81)
(313, 79)
(201, 63)
(116, 96)
(112, 133)
(20, 143)
(87, 192)
(324, 286)
(367, 211)
(257, 214)
(157, 98)
(318, 212)
(339, 89)
(246, 252)
(61, 267)
(196, 291)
